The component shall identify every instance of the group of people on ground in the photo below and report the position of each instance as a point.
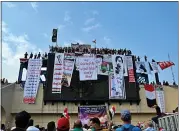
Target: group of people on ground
(24, 122)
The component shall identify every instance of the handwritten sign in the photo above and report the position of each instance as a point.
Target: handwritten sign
(57, 73)
(32, 81)
(87, 68)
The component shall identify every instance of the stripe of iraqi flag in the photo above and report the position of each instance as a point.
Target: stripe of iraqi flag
(150, 95)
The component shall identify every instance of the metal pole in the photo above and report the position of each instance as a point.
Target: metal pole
(171, 69)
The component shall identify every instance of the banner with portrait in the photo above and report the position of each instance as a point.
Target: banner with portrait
(69, 61)
(57, 73)
(32, 81)
(106, 67)
(85, 113)
(119, 70)
(115, 90)
(87, 68)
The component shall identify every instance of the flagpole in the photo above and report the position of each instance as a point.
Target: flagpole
(171, 69)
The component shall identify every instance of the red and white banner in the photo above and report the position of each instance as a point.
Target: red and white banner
(32, 81)
(130, 68)
(165, 64)
(87, 68)
(57, 73)
(69, 61)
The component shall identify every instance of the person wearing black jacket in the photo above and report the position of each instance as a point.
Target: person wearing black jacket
(158, 112)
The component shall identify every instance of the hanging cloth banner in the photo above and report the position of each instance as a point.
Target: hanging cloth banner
(165, 64)
(106, 66)
(130, 68)
(85, 113)
(57, 73)
(140, 67)
(115, 90)
(150, 95)
(98, 63)
(147, 67)
(32, 81)
(119, 70)
(87, 68)
(154, 67)
(69, 61)
(160, 99)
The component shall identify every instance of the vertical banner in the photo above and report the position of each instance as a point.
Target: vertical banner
(147, 67)
(125, 66)
(160, 99)
(114, 89)
(69, 61)
(87, 68)
(119, 70)
(106, 66)
(154, 66)
(130, 68)
(57, 73)
(32, 81)
(98, 63)
(85, 113)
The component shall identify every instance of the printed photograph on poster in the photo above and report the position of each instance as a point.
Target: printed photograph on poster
(116, 91)
(85, 113)
(106, 67)
(68, 66)
(140, 67)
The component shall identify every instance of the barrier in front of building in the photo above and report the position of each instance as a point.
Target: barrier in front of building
(169, 122)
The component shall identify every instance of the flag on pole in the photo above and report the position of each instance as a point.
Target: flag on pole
(165, 64)
(94, 41)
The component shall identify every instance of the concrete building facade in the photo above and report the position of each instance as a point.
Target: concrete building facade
(12, 103)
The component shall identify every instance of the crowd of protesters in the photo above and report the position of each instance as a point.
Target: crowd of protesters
(90, 50)
(24, 122)
(4, 81)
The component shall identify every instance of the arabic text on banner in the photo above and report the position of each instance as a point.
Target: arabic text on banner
(77, 59)
(87, 68)
(154, 67)
(106, 67)
(98, 63)
(119, 70)
(69, 60)
(87, 112)
(130, 68)
(161, 100)
(57, 73)
(32, 81)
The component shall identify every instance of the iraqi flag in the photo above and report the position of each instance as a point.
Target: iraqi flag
(150, 95)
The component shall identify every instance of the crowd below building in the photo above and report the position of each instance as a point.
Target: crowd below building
(24, 122)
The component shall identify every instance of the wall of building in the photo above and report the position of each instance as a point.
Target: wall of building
(42, 114)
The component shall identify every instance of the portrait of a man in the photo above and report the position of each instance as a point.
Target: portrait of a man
(119, 65)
